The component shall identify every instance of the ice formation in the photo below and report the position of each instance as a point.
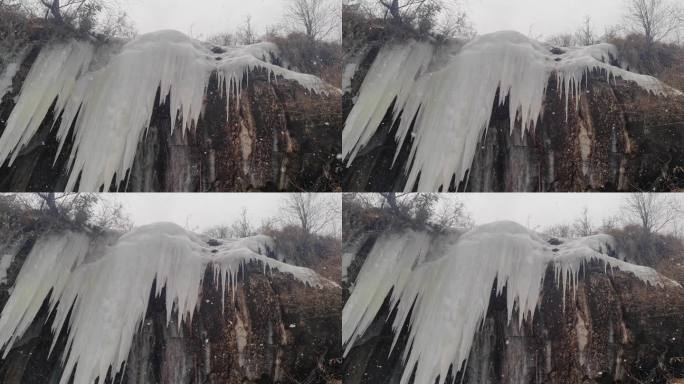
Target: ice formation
(10, 71)
(111, 104)
(350, 68)
(107, 288)
(5, 263)
(449, 279)
(451, 90)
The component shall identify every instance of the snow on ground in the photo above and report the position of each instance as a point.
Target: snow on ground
(111, 104)
(107, 287)
(449, 279)
(451, 91)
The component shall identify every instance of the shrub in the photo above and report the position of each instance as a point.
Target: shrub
(321, 58)
(46, 211)
(320, 253)
(14, 28)
(638, 246)
(664, 61)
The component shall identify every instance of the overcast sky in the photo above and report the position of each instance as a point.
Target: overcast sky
(203, 18)
(540, 210)
(198, 211)
(538, 17)
(542, 17)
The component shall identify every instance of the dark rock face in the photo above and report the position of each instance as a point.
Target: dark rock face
(620, 138)
(616, 329)
(275, 330)
(279, 137)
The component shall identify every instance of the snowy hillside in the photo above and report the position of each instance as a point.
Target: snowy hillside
(450, 91)
(445, 282)
(99, 290)
(108, 95)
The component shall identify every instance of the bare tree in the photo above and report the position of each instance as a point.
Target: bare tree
(219, 232)
(245, 33)
(108, 214)
(609, 223)
(561, 40)
(559, 230)
(454, 23)
(318, 18)
(582, 225)
(222, 38)
(117, 24)
(68, 10)
(410, 8)
(410, 206)
(242, 227)
(49, 201)
(91, 210)
(105, 16)
(611, 32)
(13, 211)
(419, 13)
(451, 214)
(422, 206)
(392, 7)
(586, 35)
(655, 19)
(273, 30)
(654, 211)
(54, 8)
(311, 212)
(14, 27)
(391, 200)
(444, 18)
(268, 225)
(427, 209)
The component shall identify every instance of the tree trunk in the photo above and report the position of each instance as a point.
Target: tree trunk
(51, 202)
(53, 8)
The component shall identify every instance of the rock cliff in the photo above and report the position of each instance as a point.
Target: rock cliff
(272, 329)
(620, 137)
(614, 329)
(277, 136)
